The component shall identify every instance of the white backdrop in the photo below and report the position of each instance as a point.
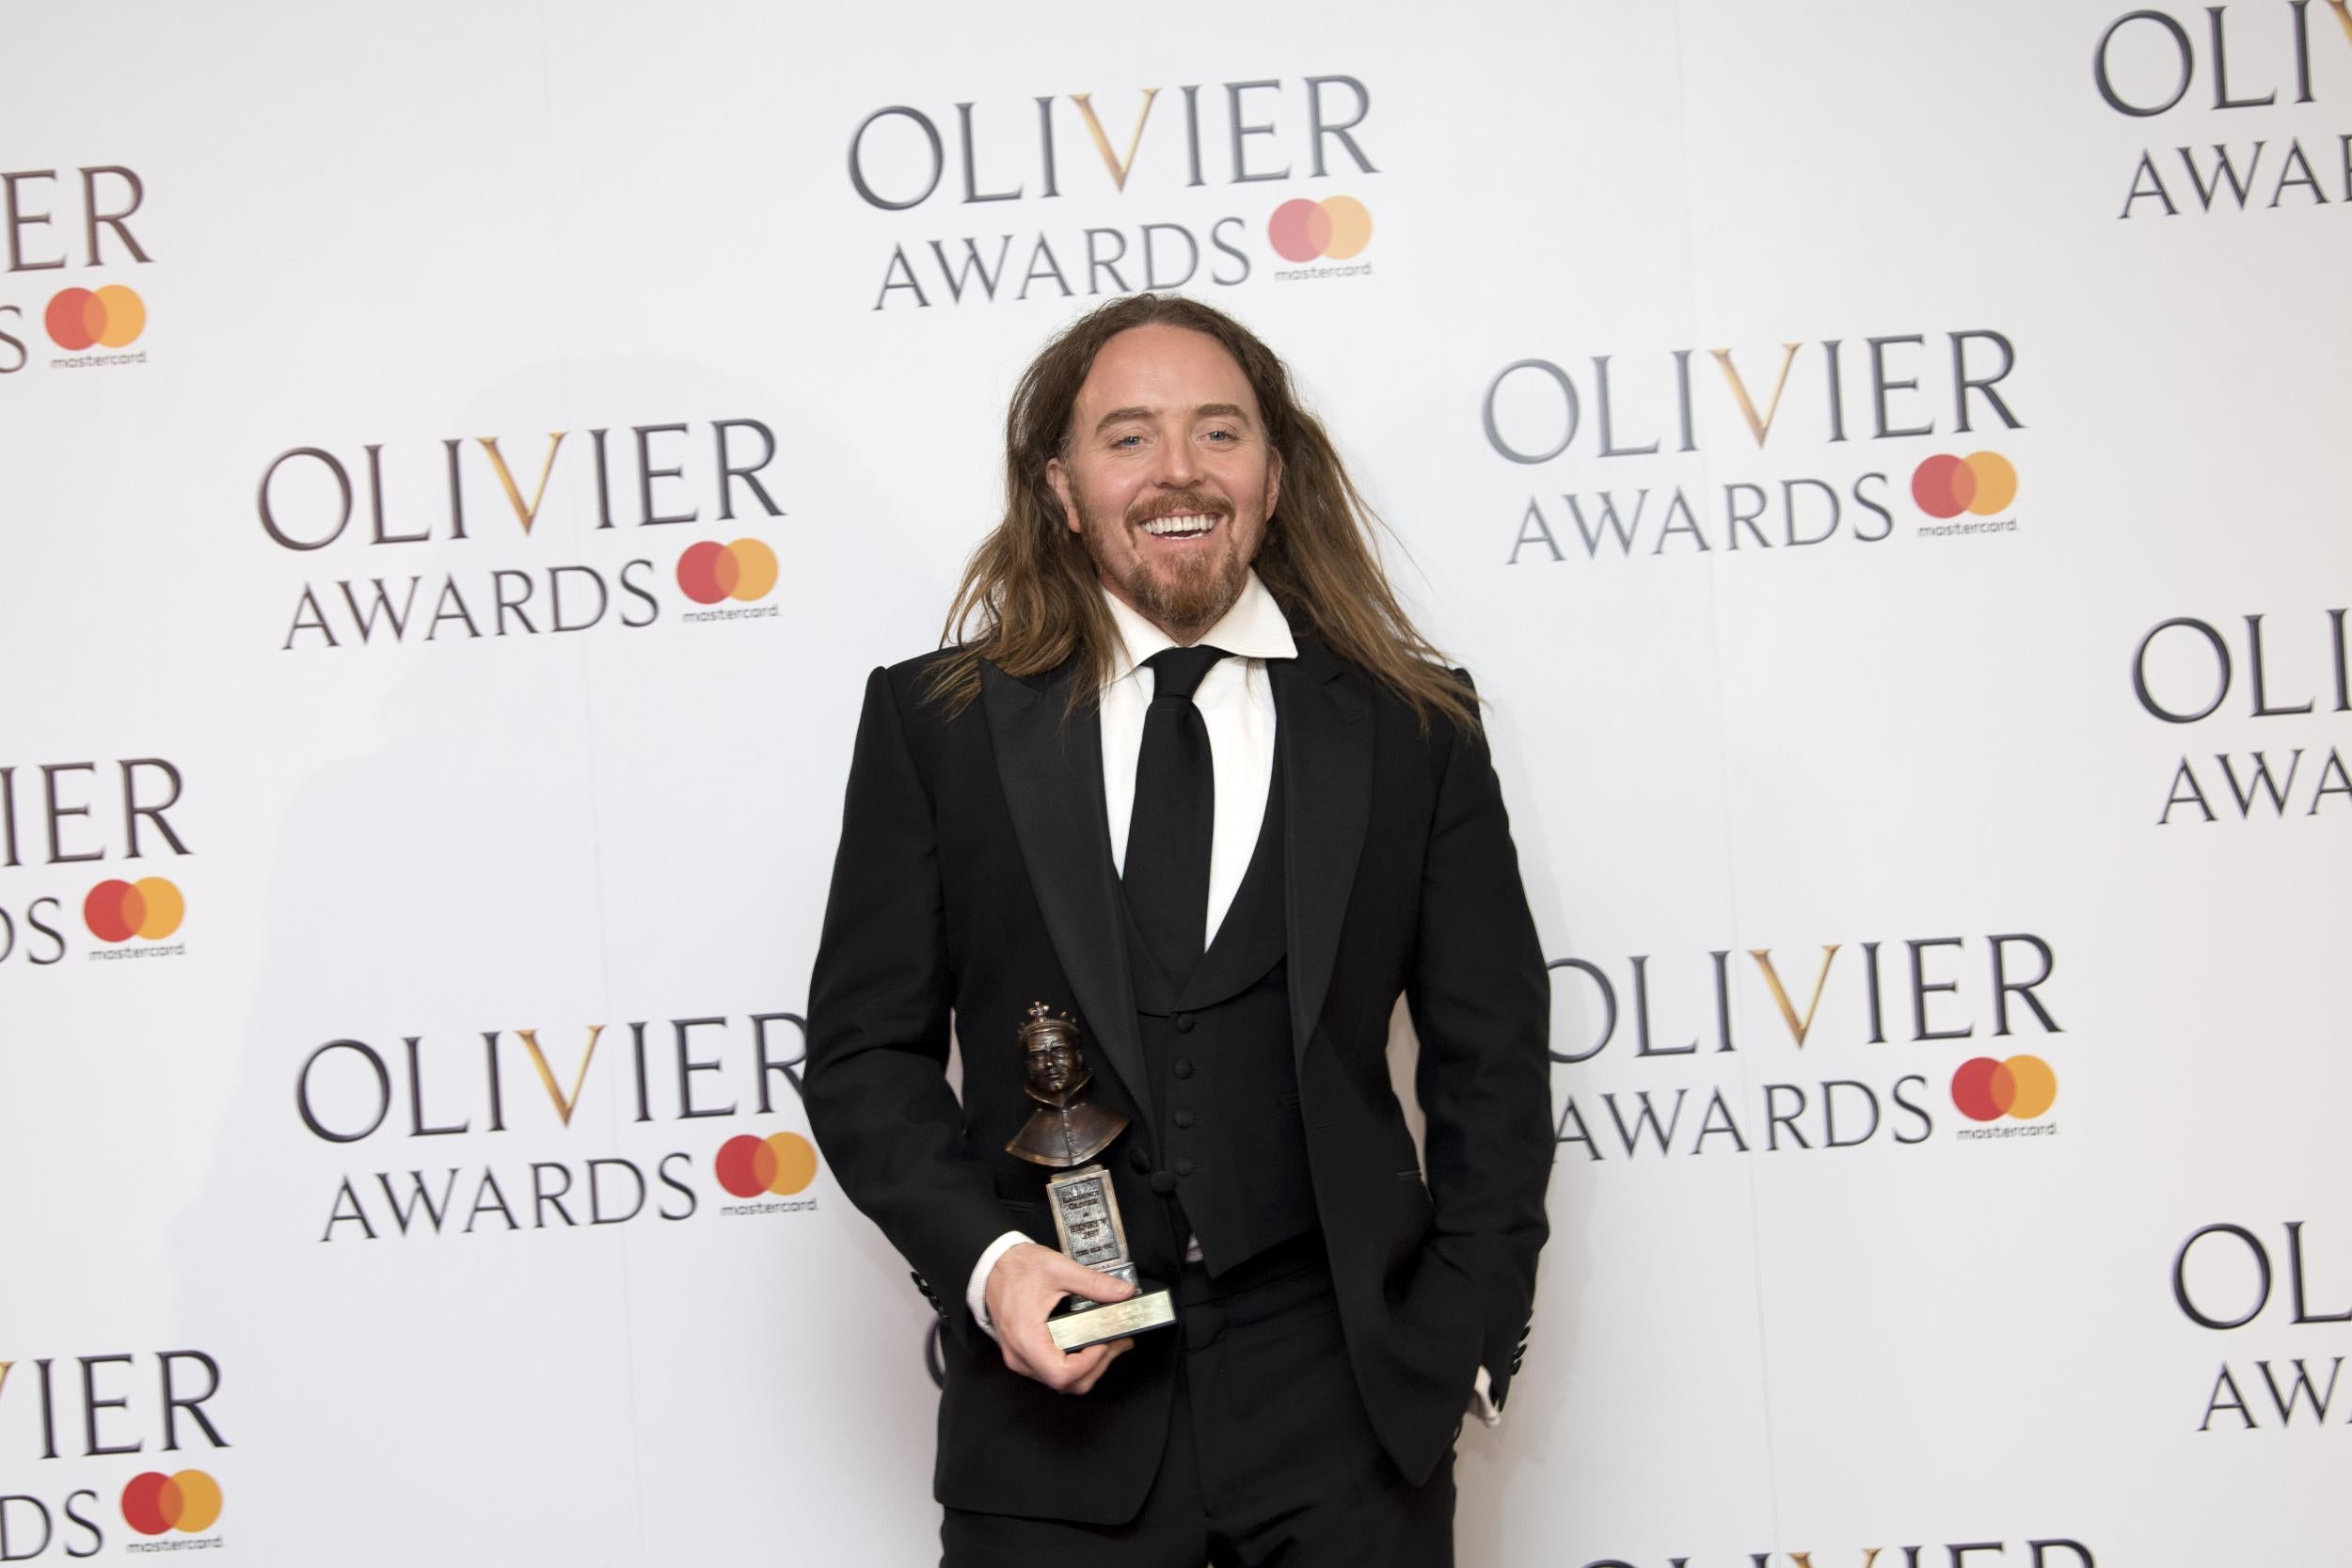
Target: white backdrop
(1810, 1308)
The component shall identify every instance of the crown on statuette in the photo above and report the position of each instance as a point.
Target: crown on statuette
(1047, 1029)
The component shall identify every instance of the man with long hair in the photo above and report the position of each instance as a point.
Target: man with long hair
(1185, 771)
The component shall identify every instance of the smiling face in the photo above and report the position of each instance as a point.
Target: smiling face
(1168, 474)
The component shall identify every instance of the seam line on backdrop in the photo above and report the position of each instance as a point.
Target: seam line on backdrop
(1731, 866)
(595, 853)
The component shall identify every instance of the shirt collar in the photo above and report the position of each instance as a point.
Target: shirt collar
(1254, 627)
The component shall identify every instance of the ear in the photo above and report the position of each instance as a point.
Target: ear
(1273, 481)
(1058, 475)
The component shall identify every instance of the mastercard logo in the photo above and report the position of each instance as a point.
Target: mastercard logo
(111, 317)
(155, 1502)
(744, 570)
(1986, 1090)
(117, 911)
(1301, 230)
(781, 1163)
(1982, 482)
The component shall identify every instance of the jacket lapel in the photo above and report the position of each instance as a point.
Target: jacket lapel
(1323, 727)
(1051, 773)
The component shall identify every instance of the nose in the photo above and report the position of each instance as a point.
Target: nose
(1175, 464)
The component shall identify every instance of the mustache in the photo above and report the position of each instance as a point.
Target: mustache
(1184, 503)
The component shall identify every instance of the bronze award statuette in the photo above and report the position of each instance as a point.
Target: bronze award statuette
(1067, 1131)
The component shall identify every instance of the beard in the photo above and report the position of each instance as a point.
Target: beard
(1189, 593)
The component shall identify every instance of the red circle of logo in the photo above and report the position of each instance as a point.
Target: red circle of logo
(74, 319)
(736, 1165)
(143, 1503)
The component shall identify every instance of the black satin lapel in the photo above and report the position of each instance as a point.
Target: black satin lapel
(1323, 725)
(1052, 774)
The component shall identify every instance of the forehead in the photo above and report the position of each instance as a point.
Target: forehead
(1165, 367)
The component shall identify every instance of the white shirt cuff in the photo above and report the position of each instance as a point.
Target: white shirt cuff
(976, 1293)
(1482, 1403)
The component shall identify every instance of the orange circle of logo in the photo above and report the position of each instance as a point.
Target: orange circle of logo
(782, 1164)
(117, 910)
(111, 317)
(2022, 1088)
(188, 1501)
(1301, 230)
(1983, 482)
(745, 570)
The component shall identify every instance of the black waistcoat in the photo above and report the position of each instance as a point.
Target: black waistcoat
(1217, 1045)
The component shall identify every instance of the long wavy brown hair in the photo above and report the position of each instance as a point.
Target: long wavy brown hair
(1030, 599)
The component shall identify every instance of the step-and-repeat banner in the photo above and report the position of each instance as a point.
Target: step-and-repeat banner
(1884, 463)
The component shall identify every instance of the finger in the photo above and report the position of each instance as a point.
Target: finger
(1078, 1370)
(1111, 1353)
(1047, 1362)
(1078, 1280)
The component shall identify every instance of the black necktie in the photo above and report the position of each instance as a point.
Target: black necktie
(1167, 875)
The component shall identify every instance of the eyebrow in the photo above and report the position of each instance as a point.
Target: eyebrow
(1206, 411)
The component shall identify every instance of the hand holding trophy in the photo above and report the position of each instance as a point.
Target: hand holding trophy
(1067, 1131)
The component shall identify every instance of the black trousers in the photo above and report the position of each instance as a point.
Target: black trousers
(1271, 1462)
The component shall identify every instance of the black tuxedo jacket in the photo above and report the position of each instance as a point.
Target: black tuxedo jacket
(975, 877)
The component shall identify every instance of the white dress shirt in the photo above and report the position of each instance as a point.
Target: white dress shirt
(1236, 704)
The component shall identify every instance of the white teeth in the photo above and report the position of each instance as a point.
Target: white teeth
(1168, 527)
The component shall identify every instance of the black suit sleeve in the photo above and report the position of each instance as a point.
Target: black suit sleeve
(879, 1014)
(1481, 1001)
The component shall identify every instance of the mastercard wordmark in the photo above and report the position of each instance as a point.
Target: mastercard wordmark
(118, 910)
(710, 572)
(1986, 1090)
(1338, 227)
(188, 1503)
(1946, 487)
(782, 1164)
(111, 317)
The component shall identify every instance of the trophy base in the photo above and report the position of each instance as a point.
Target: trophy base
(1093, 1322)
